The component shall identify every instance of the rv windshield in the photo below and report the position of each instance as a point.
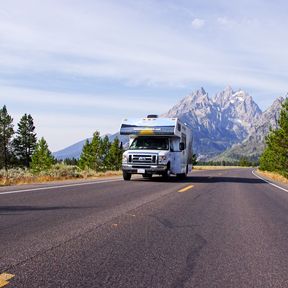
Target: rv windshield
(152, 143)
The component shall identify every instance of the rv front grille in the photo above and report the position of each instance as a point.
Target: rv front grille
(141, 167)
(143, 159)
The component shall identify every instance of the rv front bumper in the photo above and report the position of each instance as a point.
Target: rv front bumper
(142, 169)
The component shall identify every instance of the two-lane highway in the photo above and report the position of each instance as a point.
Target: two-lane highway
(222, 228)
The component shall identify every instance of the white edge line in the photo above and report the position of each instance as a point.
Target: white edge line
(269, 182)
(59, 186)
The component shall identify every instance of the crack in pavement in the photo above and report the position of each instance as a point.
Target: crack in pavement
(168, 224)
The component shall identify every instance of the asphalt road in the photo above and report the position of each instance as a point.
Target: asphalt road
(223, 229)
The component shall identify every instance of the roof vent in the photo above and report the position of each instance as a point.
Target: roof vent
(152, 116)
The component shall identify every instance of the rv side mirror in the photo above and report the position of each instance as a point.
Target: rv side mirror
(181, 146)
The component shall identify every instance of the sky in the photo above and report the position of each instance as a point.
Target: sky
(78, 66)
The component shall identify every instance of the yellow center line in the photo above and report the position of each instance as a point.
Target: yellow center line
(4, 277)
(185, 188)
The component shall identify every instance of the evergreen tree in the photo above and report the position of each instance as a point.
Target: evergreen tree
(6, 133)
(96, 143)
(114, 157)
(275, 156)
(104, 152)
(100, 154)
(25, 142)
(42, 159)
(244, 162)
(85, 160)
(71, 161)
(91, 157)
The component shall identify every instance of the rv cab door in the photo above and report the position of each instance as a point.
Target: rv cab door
(176, 156)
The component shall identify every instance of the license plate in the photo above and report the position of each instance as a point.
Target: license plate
(141, 171)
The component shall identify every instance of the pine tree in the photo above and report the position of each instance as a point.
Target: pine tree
(115, 155)
(275, 156)
(42, 159)
(91, 157)
(244, 162)
(100, 154)
(6, 133)
(25, 142)
(96, 159)
(71, 161)
(86, 160)
(104, 152)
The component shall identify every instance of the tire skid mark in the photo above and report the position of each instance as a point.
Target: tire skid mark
(191, 261)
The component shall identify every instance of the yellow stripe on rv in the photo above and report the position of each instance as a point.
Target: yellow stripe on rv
(147, 131)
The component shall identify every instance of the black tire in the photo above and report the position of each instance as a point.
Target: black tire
(167, 173)
(126, 176)
(181, 176)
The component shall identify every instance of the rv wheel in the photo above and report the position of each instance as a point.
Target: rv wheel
(126, 176)
(167, 173)
(181, 176)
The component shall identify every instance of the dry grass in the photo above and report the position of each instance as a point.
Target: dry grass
(59, 172)
(215, 167)
(273, 176)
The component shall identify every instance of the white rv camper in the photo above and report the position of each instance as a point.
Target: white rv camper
(160, 146)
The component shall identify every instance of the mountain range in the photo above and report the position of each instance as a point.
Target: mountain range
(225, 127)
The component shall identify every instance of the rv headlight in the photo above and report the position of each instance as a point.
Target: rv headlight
(124, 158)
(162, 158)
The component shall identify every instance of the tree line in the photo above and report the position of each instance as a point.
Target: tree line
(275, 155)
(20, 148)
(242, 162)
(100, 154)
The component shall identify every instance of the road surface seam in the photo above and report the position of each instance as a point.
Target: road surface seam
(269, 182)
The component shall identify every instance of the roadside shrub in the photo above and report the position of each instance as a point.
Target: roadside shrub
(56, 172)
(62, 171)
(15, 173)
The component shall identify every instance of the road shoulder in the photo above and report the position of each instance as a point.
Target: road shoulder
(277, 184)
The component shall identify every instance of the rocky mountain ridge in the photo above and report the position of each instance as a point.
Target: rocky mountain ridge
(253, 145)
(219, 122)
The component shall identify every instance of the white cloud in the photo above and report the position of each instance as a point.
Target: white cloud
(198, 23)
(108, 40)
(100, 102)
(224, 21)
